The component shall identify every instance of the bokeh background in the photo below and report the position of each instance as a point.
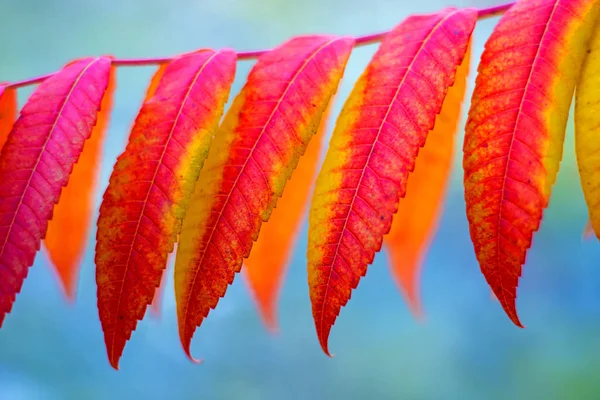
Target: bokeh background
(466, 348)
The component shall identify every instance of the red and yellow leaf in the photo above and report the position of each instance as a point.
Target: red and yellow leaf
(416, 221)
(265, 268)
(372, 151)
(254, 153)
(515, 131)
(68, 230)
(587, 132)
(36, 162)
(156, 304)
(8, 112)
(150, 187)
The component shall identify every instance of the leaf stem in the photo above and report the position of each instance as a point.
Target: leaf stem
(250, 55)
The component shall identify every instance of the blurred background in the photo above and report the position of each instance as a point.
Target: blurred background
(466, 348)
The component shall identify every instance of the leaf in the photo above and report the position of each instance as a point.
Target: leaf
(36, 162)
(68, 230)
(8, 112)
(587, 132)
(155, 306)
(270, 254)
(373, 149)
(415, 223)
(150, 187)
(515, 131)
(588, 231)
(255, 151)
(156, 78)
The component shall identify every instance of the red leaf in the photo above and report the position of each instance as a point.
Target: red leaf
(255, 151)
(8, 112)
(149, 189)
(67, 233)
(37, 160)
(373, 149)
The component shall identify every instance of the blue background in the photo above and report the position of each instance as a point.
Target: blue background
(466, 348)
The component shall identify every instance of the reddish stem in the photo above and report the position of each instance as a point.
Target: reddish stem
(494, 11)
(249, 55)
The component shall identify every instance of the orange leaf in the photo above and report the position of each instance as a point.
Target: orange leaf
(68, 230)
(270, 254)
(372, 151)
(255, 151)
(588, 231)
(515, 131)
(36, 162)
(416, 221)
(150, 187)
(160, 71)
(8, 112)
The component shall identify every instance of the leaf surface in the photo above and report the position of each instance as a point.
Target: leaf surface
(372, 151)
(36, 162)
(265, 268)
(150, 187)
(415, 223)
(255, 151)
(68, 230)
(154, 81)
(515, 131)
(587, 132)
(8, 112)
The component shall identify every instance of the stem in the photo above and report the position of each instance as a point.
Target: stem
(494, 11)
(484, 13)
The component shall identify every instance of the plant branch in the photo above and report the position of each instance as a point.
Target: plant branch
(250, 55)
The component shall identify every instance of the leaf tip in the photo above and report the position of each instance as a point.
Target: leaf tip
(186, 342)
(155, 312)
(510, 308)
(410, 288)
(323, 335)
(588, 231)
(67, 284)
(415, 306)
(190, 357)
(269, 319)
(114, 364)
(266, 305)
(113, 359)
(69, 295)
